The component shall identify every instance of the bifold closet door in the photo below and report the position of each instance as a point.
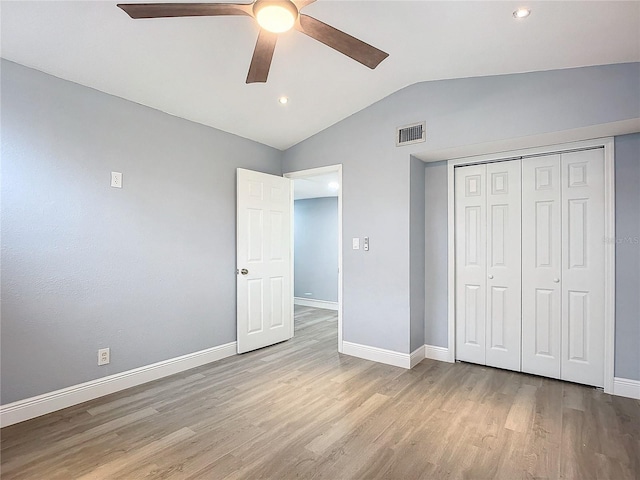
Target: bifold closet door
(504, 289)
(471, 268)
(563, 266)
(541, 266)
(488, 288)
(583, 267)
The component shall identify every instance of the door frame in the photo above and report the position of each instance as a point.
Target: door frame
(609, 240)
(311, 173)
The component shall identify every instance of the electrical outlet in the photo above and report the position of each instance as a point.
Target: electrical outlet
(116, 179)
(103, 356)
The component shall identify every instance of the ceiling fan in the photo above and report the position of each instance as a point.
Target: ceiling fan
(273, 16)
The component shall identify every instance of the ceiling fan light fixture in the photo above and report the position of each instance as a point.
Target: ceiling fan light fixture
(275, 16)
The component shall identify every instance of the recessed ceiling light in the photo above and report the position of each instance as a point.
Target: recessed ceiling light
(521, 13)
(334, 185)
(283, 100)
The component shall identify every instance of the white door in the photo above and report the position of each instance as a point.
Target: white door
(503, 318)
(583, 267)
(471, 268)
(264, 259)
(530, 265)
(541, 265)
(488, 267)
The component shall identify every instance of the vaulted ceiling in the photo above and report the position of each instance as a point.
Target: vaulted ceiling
(196, 67)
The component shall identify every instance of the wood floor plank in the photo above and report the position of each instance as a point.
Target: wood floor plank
(51, 451)
(521, 413)
(300, 410)
(117, 468)
(346, 424)
(542, 457)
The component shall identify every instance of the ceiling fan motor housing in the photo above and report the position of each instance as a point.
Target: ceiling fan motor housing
(276, 16)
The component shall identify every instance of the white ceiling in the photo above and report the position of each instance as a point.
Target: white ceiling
(195, 68)
(316, 186)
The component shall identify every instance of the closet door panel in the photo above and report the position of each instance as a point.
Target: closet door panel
(541, 265)
(503, 321)
(471, 245)
(583, 267)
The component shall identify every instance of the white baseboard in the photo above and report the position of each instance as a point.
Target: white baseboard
(311, 302)
(417, 356)
(437, 353)
(50, 402)
(625, 387)
(375, 354)
(397, 359)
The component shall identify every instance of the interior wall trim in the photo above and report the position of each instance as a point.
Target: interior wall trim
(66, 397)
(375, 354)
(312, 302)
(625, 387)
(609, 254)
(442, 354)
(398, 359)
(417, 356)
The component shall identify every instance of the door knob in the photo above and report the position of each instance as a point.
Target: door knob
(556, 280)
(490, 277)
(244, 271)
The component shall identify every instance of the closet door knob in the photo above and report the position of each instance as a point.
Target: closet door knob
(490, 277)
(556, 280)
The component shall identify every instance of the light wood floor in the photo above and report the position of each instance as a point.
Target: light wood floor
(300, 410)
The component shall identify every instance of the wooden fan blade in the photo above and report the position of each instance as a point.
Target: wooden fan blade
(300, 4)
(344, 43)
(158, 10)
(262, 55)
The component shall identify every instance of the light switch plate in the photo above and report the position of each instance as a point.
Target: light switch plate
(356, 244)
(116, 179)
(366, 244)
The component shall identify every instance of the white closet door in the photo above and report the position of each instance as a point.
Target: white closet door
(504, 290)
(541, 265)
(583, 267)
(471, 271)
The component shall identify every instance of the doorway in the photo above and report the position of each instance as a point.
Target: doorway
(316, 277)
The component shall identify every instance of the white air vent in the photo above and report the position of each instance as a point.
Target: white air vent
(409, 134)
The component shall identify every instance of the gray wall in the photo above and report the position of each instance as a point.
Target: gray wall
(376, 173)
(375, 204)
(148, 270)
(436, 251)
(316, 248)
(627, 363)
(417, 252)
